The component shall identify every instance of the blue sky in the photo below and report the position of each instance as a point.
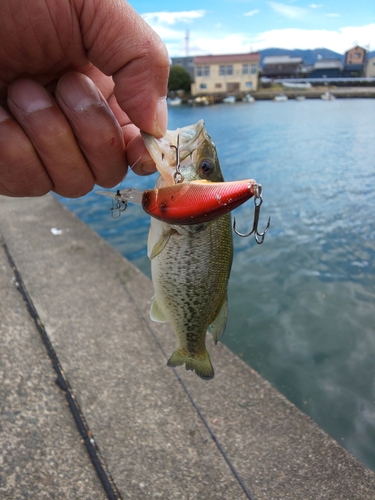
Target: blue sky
(234, 26)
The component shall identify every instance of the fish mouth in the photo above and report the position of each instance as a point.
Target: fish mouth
(164, 151)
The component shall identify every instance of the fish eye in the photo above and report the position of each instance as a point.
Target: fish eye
(206, 168)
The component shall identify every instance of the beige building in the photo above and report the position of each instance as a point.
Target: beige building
(370, 68)
(225, 74)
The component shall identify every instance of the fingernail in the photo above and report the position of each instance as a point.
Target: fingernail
(29, 96)
(78, 92)
(148, 167)
(162, 116)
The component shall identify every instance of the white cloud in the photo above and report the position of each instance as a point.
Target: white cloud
(288, 11)
(315, 6)
(338, 41)
(334, 14)
(252, 12)
(166, 24)
(230, 44)
(156, 18)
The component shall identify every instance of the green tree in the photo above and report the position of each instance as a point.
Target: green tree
(179, 79)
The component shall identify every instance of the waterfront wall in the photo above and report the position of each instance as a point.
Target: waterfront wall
(89, 408)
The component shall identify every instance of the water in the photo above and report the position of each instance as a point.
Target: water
(302, 305)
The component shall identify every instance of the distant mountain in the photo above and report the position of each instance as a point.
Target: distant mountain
(308, 56)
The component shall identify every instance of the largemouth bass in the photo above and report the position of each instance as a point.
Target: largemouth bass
(190, 264)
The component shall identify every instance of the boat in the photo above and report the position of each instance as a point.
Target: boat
(248, 98)
(300, 98)
(174, 102)
(280, 98)
(230, 99)
(327, 96)
(296, 85)
(202, 101)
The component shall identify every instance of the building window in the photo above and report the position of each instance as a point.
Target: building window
(203, 86)
(249, 85)
(203, 71)
(226, 70)
(249, 69)
(217, 85)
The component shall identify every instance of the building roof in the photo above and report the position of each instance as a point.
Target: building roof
(282, 60)
(328, 64)
(253, 57)
(355, 48)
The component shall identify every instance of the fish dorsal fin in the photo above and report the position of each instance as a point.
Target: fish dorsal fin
(217, 327)
(156, 314)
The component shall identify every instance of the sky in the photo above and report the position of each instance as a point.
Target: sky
(238, 26)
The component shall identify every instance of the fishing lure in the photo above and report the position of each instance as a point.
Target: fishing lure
(193, 203)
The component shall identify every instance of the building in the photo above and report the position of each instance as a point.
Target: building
(355, 60)
(225, 74)
(185, 62)
(282, 66)
(370, 68)
(327, 68)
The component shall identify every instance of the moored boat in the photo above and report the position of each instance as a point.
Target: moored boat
(248, 98)
(230, 99)
(280, 98)
(174, 102)
(327, 96)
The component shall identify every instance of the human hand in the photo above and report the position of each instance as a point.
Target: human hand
(81, 78)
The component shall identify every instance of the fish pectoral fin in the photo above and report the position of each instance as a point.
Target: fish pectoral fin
(156, 314)
(201, 364)
(156, 248)
(217, 327)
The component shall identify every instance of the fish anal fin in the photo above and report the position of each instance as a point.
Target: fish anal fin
(201, 364)
(217, 327)
(156, 314)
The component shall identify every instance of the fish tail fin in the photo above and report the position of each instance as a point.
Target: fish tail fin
(200, 364)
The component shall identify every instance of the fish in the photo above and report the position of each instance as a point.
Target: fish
(190, 262)
(190, 239)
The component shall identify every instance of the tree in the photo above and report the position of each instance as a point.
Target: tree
(179, 79)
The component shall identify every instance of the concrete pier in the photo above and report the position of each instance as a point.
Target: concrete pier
(89, 409)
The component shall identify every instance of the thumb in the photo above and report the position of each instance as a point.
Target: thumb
(121, 44)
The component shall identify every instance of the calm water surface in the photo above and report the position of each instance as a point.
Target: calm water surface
(302, 305)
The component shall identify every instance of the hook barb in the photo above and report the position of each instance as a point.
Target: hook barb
(259, 237)
(178, 177)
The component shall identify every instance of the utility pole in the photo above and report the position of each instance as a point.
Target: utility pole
(187, 43)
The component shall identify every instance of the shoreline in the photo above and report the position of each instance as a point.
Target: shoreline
(270, 93)
(316, 92)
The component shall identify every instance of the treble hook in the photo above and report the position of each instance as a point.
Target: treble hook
(178, 177)
(118, 205)
(258, 200)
